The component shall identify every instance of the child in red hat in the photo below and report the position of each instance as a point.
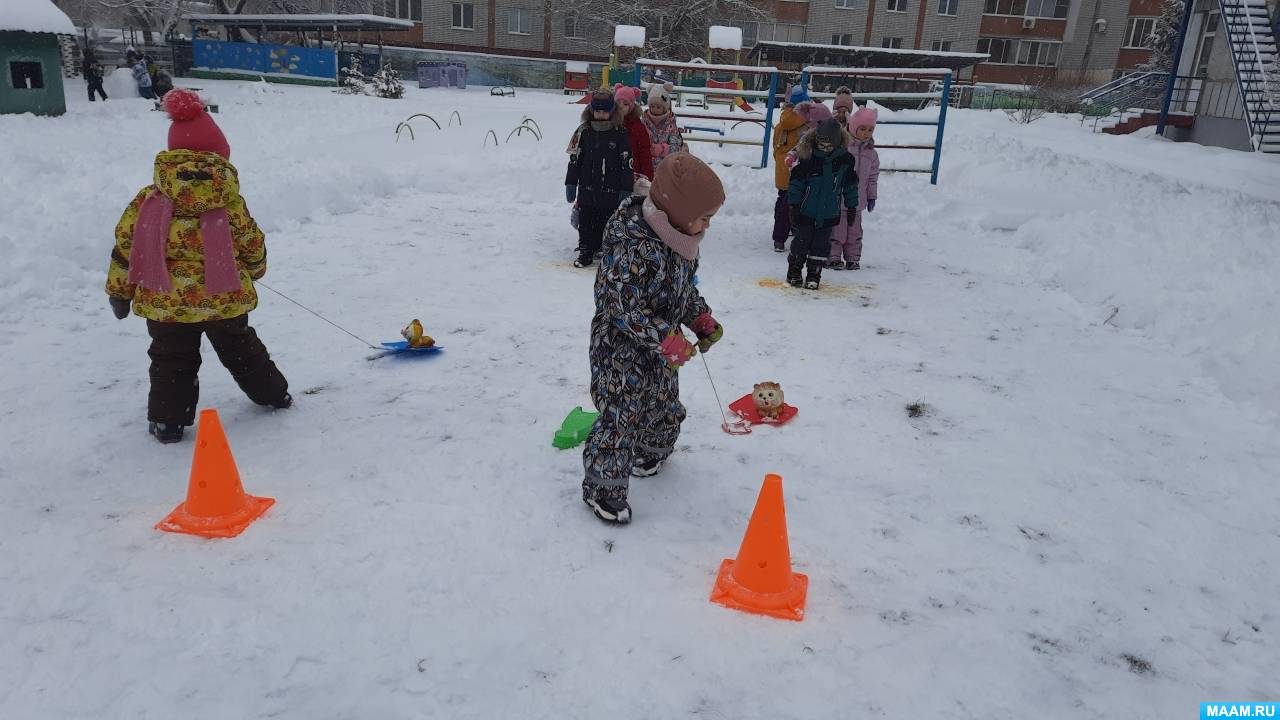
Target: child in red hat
(187, 252)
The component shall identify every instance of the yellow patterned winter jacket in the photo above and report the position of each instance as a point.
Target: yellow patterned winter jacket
(196, 182)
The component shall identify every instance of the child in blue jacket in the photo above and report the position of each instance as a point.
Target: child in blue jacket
(823, 184)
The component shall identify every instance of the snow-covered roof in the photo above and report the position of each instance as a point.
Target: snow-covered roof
(292, 21)
(725, 38)
(880, 50)
(628, 36)
(37, 16)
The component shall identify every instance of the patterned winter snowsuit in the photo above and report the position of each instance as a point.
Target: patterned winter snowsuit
(644, 290)
(847, 239)
(665, 136)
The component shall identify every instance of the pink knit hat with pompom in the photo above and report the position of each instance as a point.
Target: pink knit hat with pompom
(864, 117)
(622, 92)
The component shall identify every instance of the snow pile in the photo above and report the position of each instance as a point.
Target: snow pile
(37, 16)
(629, 36)
(725, 38)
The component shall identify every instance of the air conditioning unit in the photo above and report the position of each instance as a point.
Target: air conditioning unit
(1028, 23)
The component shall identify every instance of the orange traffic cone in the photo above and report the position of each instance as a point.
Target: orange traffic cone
(216, 504)
(760, 581)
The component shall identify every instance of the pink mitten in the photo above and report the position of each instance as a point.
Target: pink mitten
(676, 350)
(791, 160)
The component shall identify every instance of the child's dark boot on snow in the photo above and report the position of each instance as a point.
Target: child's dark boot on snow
(283, 403)
(780, 246)
(609, 504)
(165, 432)
(585, 259)
(814, 275)
(794, 267)
(645, 467)
(852, 265)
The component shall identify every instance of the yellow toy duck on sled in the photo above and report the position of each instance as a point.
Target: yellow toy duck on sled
(416, 338)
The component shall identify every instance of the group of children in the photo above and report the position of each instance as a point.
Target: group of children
(827, 174)
(187, 252)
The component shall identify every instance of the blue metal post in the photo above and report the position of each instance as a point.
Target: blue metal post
(942, 126)
(637, 78)
(804, 80)
(1188, 5)
(768, 118)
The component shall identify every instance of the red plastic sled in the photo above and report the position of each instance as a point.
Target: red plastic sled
(745, 408)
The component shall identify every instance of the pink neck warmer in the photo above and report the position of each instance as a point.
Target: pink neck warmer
(685, 245)
(147, 266)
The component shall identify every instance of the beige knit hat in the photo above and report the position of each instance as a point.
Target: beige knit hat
(685, 188)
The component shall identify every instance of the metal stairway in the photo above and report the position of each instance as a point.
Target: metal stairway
(1253, 49)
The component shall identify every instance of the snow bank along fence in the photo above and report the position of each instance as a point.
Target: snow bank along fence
(770, 96)
(942, 95)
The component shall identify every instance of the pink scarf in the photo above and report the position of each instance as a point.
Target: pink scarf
(147, 266)
(685, 245)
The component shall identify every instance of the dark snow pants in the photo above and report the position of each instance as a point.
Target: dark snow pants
(781, 218)
(638, 398)
(95, 86)
(175, 363)
(811, 242)
(591, 224)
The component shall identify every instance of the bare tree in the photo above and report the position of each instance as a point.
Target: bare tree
(677, 29)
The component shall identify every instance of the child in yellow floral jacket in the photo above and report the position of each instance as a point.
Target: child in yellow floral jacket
(186, 255)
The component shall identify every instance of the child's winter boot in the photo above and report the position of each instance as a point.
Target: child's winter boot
(780, 246)
(794, 267)
(647, 467)
(166, 433)
(814, 275)
(608, 503)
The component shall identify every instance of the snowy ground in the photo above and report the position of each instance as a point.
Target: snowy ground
(1085, 523)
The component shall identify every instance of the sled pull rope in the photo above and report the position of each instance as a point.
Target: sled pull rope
(313, 312)
(733, 428)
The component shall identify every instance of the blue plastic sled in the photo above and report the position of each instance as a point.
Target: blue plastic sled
(400, 348)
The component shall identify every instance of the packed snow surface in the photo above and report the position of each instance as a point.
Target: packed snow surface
(37, 16)
(1080, 521)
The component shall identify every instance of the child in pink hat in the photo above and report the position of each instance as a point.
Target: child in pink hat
(846, 241)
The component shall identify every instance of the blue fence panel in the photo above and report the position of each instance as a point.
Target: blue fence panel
(261, 58)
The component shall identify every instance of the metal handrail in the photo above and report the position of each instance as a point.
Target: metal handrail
(1116, 84)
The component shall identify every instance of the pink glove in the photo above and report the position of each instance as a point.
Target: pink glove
(792, 160)
(708, 331)
(676, 350)
(661, 149)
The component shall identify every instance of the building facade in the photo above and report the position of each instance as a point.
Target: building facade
(1083, 41)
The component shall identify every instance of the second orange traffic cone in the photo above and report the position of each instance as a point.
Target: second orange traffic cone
(216, 504)
(760, 580)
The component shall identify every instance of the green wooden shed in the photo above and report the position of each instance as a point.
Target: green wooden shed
(31, 58)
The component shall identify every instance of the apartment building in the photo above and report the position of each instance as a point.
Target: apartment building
(1089, 41)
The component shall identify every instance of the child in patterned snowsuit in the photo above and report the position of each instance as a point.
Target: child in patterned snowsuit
(186, 255)
(823, 186)
(644, 294)
(847, 238)
(664, 132)
(599, 177)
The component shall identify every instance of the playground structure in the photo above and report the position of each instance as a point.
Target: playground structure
(935, 93)
(705, 92)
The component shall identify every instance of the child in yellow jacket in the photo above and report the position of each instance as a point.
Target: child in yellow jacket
(786, 134)
(186, 254)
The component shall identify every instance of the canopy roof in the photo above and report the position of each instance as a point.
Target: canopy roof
(302, 22)
(35, 16)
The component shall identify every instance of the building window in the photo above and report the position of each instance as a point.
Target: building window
(898, 6)
(1138, 34)
(1000, 49)
(26, 75)
(753, 33)
(1205, 51)
(844, 4)
(519, 21)
(571, 27)
(1005, 7)
(464, 16)
(405, 9)
(1040, 54)
(940, 46)
(893, 43)
(845, 39)
(948, 7)
(1056, 9)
